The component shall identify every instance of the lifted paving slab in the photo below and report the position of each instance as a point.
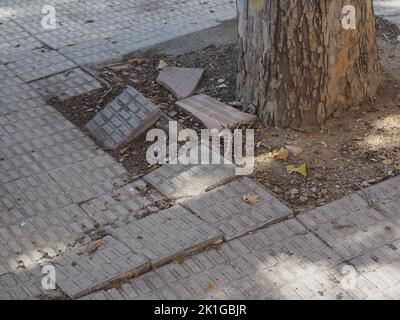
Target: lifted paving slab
(80, 272)
(178, 181)
(226, 209)
(215, 114)
(182, 82)
(167, 235)
(123, 119)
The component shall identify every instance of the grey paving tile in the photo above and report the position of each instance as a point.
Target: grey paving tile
(39, 63)
(179, 181)
(123, 119)
(69, 84)
(351, 231)
(36, 240)
(124, 205)
(226, 208)
(166, 235)
(80, 272)
(90, 178)
(31, 196)
(25, 285)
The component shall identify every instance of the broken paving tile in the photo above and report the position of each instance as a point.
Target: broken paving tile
(87, 269)
(182, 82)
(214, 114)
(187, 180)
(68, 84)
(123, 119)
(167, 235)
(226, 208)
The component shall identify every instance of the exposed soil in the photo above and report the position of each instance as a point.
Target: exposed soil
(354, 149)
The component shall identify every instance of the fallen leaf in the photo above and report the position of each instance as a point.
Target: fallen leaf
(282, 154)
(162, 65)
(300, 170)
(209, 287)
(252, 199)
(94, 247)
(387, 162)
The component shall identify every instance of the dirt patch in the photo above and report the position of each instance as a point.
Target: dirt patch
(353, 150)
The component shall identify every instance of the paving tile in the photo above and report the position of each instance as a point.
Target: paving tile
(25, 285)
(377, 273)
(33, 241)
(124, 205)
(387, 190)
(14, 166)
(214, 114)
(69, 84)
(183, 181)
(18, 96)
(10, 31)
(30, 196)
(351, 232)
(123, 119)
(38, 64)
(16, 47)
(70, 34)
(166, 235)
(80, 272)
(182, 82)
(92, 52)
(253, 267)
(90, 178)
(226, 209)
(178, 181)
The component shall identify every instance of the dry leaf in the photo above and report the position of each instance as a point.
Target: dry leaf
(252, 199)
(387, 162)
(300, 170)
(282, 154)
(162, 65)
(209, 287)
(94, 247)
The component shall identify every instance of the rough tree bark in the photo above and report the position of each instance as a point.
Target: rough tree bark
(297, 64)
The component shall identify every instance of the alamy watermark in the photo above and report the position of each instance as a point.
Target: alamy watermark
(49, 280)
(49, 21)
(187, 147)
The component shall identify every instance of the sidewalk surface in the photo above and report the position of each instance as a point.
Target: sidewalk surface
(64, 202)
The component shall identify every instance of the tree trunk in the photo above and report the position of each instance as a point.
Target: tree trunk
(298, 64)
